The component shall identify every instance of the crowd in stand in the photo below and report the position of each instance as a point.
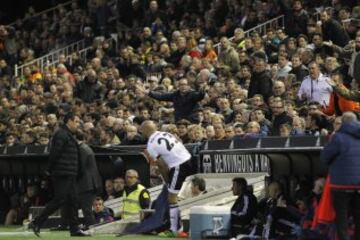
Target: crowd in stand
(292, 81)
(170, 72)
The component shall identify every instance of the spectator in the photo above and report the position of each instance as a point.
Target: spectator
(21, 205)
(337, 103)
(228, 56)
(182, 130)
(109, 190)
(261, 82)
(210, 132)
(284, 66)
(298, 68)
(339, 155)
(219, 130)
(229, 132)
(315, 87)
(296, 18)
(185, 100)
(118, 184)
(252, 130)
(332, 30)
(198, 186)
(101, 213)
(285, 130)
(225, 110)
(89, 89)
(281, 218)
(132, 137)
(279, 117)
(279, 90)
(265, 124)
(298, 126)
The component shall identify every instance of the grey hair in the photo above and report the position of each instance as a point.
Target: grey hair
(348, 117)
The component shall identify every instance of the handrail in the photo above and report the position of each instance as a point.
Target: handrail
(263, 26)
(50, 58)
(47, 10)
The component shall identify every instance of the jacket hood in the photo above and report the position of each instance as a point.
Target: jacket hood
(352, 129)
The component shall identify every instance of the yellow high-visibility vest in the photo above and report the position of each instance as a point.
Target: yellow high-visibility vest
(131, 204)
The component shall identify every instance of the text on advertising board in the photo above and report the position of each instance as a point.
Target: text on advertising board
(235, 163)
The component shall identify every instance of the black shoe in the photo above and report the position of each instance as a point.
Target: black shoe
(59, 228)
(79, 233)
(35, 228)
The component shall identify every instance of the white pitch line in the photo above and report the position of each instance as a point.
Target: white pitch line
(9, 234)
(21, 233)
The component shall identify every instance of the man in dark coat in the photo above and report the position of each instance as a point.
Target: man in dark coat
(280, 117)
(332, 30)
(64, 167)
(342, 156)
(244, 209)
(261, 82)
(185, 100)
(89, 89)
(298, 68)
(89, 183)
(296, 18)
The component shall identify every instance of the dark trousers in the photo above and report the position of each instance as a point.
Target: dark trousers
(64, 195)
(346, 203)
(85, 201)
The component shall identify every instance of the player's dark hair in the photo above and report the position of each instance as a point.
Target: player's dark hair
(241, 182)
(69, 116)
(200, 182)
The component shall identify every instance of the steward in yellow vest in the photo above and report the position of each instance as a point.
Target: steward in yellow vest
(135, 196)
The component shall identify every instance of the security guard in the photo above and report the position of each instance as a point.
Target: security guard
(135, 196)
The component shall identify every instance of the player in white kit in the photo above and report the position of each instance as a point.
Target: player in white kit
(173, 161)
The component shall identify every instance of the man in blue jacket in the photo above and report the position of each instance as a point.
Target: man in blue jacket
(342, 156)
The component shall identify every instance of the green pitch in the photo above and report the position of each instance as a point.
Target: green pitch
(11, 233)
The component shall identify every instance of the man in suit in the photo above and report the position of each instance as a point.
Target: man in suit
(89, 183)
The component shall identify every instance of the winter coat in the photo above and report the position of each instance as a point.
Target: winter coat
(90, 179)
(184, 104)
(342, 155)
(64, 153)
(261, 83)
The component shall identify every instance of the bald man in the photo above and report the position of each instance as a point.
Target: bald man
(173, 160)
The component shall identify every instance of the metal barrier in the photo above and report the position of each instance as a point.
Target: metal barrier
(262, 28)
(53, 9)
(51, 58)
(270, 24)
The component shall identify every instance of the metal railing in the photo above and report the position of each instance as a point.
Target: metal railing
(53, 9)
(261, 29)
(51, 58)
(270, 24)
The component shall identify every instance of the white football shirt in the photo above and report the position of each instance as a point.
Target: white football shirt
(168, 147)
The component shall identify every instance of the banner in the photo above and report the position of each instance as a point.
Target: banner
(232, 162)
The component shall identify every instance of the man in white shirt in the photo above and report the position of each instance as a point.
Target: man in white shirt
(315, 87)
(173, 161)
